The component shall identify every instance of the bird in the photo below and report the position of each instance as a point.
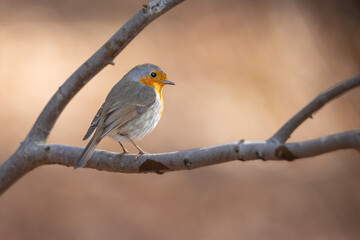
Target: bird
(131, 110)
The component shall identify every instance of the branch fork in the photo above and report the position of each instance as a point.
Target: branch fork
(34, 151)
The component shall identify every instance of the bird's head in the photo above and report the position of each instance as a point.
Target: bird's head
(150, 75)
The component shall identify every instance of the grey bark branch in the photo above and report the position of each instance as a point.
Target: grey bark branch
(196, 158)
(101, 58)
(289, 127)
(19, 164)
(33, 152)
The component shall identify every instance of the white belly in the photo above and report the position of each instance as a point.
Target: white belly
(139, 127)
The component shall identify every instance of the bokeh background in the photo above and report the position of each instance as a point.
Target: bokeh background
(242, 68)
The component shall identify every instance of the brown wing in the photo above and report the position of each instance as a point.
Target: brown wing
(139, 99)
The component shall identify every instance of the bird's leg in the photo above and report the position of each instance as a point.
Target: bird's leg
(141, 152)
(123, 148)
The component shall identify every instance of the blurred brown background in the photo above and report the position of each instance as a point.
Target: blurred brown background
(242, 68)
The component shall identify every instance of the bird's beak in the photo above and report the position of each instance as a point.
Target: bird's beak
(169, 82)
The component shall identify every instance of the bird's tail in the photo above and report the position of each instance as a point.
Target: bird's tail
(88, 151)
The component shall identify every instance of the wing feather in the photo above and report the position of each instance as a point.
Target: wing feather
(121, 112)
(94, 123)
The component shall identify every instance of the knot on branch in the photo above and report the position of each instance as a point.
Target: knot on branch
(153, 7)
(153, 166)
(283, 152)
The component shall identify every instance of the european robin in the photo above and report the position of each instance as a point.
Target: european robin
(131, 110)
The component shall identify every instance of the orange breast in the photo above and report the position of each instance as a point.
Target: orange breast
(158, 85)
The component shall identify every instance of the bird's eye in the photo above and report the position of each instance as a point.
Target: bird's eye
(153, 74)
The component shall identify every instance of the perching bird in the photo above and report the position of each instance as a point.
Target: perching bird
(131, 110)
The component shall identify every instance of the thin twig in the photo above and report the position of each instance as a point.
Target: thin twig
(289, 127)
